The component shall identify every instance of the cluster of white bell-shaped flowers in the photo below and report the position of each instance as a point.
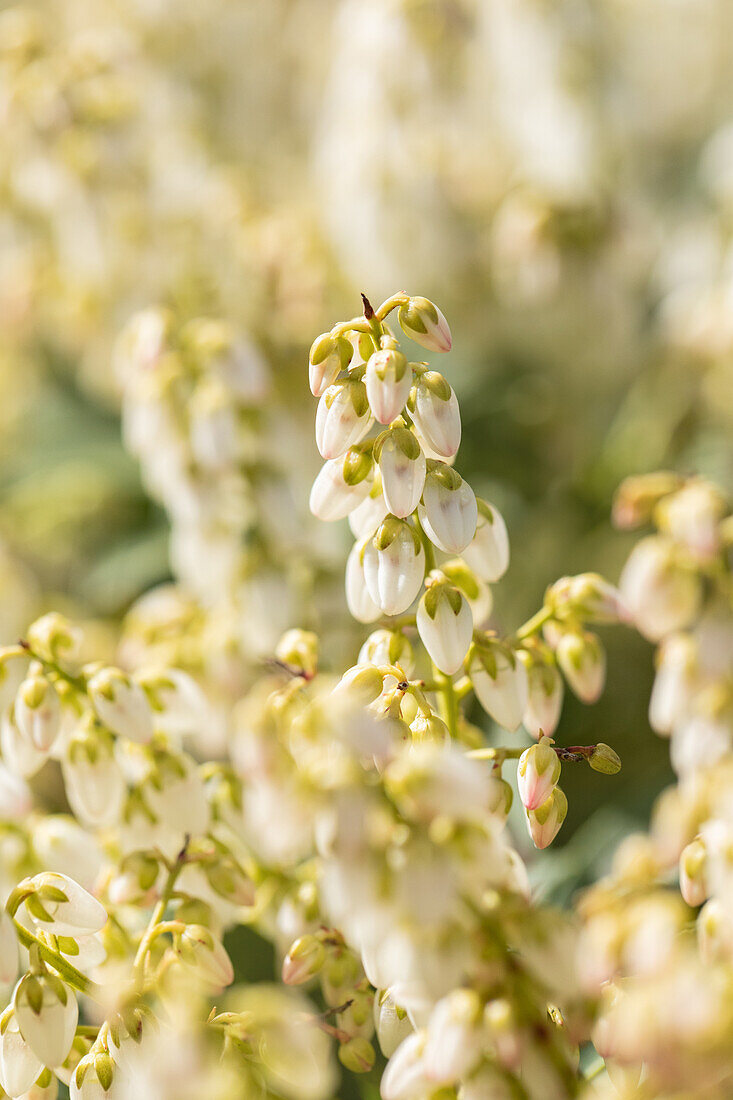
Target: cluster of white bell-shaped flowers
(120, 911)
(389, 430)
(663, 956)
(194, 414)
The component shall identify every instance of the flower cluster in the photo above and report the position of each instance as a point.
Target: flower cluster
(663, 957)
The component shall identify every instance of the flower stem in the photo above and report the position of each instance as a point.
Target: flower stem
(534, 624)
(156, 917)
(64, 969)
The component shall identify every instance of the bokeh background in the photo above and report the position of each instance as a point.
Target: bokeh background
(556, 174)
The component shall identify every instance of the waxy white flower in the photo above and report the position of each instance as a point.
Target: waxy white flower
(367, 516)
(455, 1038)
(176, 795)
(423, 322)
(387, 647)
(500, 681)
(405, 1078)
(662, 594)
(391, 1022)
(394, 566)
(538, 773)
(333, 496)
(692, 516)
(19, 752)
(360, 685)
(19, 1066)
(674, 683)
(205, 956)
(37, 711)
(544, 822)
(488, 552)
(388, 380)
(47, 1015)
(693, 884)
(448, 512)
(343, 418)
(329, 355)
(121, 704)
(358, 598)
(93, 1077)
(583, 662)
(95, 784)
(70, 910)
(402, 466)
(545, 691)
(588, 597)
(433, 407)
(445, 625)
(432, 779)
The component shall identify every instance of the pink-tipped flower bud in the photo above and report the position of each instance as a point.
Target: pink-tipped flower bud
(544, 822)
(424, 323)
(538, 773)
(388, 380)
(329, 355)
(583, 662)
(38, 712)
(343, 418)
(449, 511)
(394, 566)
(333, 496)
(434, 410)
(304, 960)
(402, 466)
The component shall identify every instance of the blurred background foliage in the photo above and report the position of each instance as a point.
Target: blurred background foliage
(556, 174)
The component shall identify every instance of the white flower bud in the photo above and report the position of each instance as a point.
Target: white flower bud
(61, 843)
(448, 513)
(391, 1022)
(586, 596)
(404, 1077)
(19, 1066)
(661, 594)
(93, 1077)
(95, 785)
(488, 553)
(368, 515)
(673, 684)
(329, 355)
(358, 599)
(433, 407)
(205, 956)
(19, 752)
(402, 466)
(423, 322)
(388, 647)
(176, 794)
(394, 566)
(445, 625)
(692, 516)
(538, 773)
(361, 685)
(70, 910)
(121, 704)
(500, 682)
(38, 712)
(388, 382)
(693, 885)
(545, 692)
(47, 1015)
(583, 662)
(332, 497)
(342, 419)
(545, 821)
(454, 1038)
(304, 960)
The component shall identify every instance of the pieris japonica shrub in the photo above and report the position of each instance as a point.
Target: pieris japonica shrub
(357, 818)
